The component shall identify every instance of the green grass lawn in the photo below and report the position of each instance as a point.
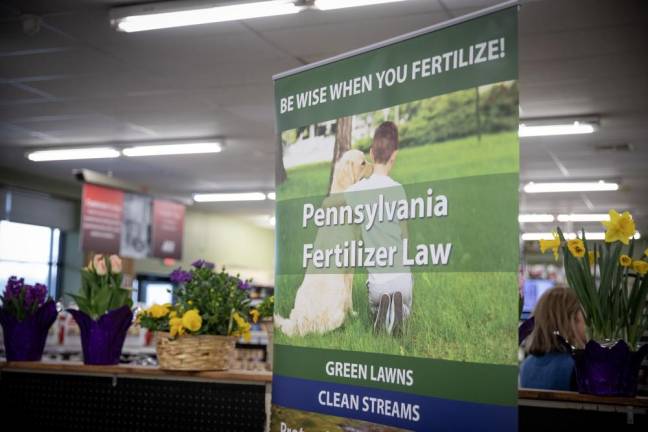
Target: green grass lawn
(493, 154)
(455, 316)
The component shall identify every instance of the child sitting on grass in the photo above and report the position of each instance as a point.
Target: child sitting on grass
(390, 292)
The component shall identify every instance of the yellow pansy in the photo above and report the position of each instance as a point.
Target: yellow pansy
(553, 244)
(625, 260)
(158, 311)
(576, 247)
(255, 315)
(175, 327)
(640, 267)
(620, 227)
(192, 320)
(243, 327)
(591, 256)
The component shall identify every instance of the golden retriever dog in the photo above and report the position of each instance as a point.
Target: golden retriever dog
(323, 300)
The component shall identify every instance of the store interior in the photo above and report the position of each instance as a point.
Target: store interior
(69, 79)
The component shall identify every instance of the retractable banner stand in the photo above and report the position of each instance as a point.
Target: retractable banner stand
(397, 234)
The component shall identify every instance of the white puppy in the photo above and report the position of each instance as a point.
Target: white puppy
(323, 301)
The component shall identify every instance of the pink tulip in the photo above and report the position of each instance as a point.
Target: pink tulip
(115, 264)
(99, 265)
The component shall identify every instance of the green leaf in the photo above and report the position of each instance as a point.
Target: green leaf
(82, 303)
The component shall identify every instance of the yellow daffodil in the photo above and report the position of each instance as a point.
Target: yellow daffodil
(192, 320)
(620, 227)
(640, 267)
(553, 244)
(173, 314)
(576, 247)
(255, 315)
(175, 327)
(158, 311)
(625, 261)
(591, 256)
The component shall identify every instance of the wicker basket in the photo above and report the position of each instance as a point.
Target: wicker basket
(189, 352)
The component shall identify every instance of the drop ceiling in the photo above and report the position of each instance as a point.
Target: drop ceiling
(77, 81)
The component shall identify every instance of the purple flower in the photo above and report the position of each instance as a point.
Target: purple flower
(244, 285)
(14, 287)
(201, 263)
(21, 299)
(180, 276)
(35, 295)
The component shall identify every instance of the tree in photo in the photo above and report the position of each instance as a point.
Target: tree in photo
(342, 142)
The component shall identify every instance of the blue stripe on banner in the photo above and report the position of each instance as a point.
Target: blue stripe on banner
(403, 410)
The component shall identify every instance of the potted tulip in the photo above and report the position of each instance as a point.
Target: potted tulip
(26, 315)
(104, 313)
(612, 287)
(199, 332)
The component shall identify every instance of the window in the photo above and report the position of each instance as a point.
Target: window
(158, 293)
(153, 289)
(30, 252)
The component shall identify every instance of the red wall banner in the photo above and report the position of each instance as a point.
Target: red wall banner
(101, 219)
(114, 222)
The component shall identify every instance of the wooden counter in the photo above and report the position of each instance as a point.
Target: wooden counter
(574, 397)
(235, 376)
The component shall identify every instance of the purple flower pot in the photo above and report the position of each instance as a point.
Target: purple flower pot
(25, 340)
(608, 371)
(102, 340)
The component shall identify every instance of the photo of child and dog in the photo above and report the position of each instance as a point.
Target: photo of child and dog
(350, 160)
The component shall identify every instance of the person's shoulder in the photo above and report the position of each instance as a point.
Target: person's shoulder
(396, 186)
(563, 358)
(390, 182)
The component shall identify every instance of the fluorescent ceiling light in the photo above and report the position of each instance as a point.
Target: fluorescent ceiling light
(173, 149)
(537, 236)
(590, 217)
(73, 154)
(574, 128)
(569, 236)
(341, 4)
(188, 17)
(271, 196)
(532, 187)
(523, 218)
(601, 235)
(229, 197)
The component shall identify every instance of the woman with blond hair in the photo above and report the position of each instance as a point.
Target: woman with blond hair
(550, 365)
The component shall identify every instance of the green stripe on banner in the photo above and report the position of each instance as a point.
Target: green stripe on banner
(481, 216)
(453, 72)
(472, 382)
